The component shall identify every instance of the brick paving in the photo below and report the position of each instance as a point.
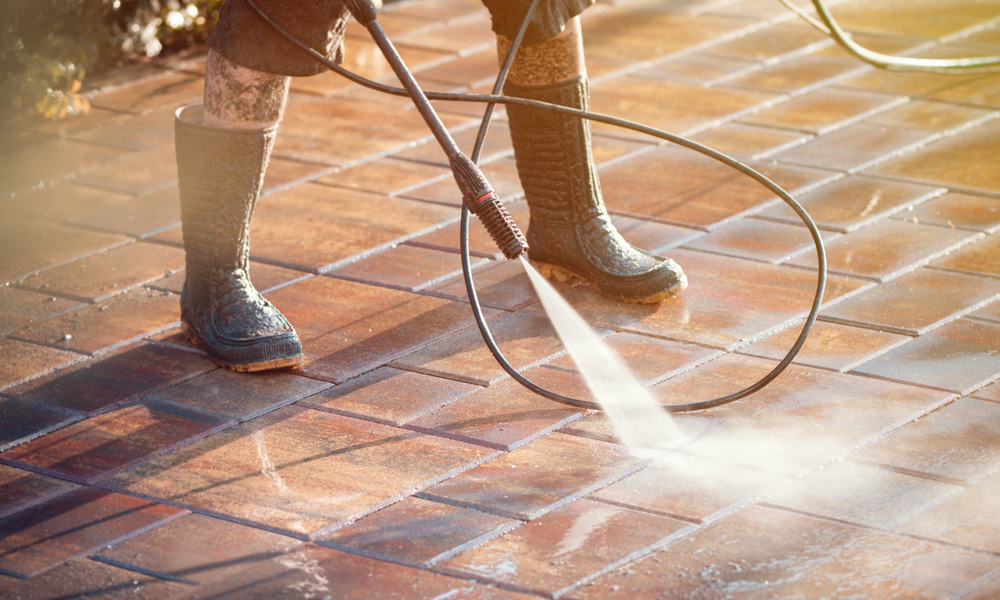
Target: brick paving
(399, 460)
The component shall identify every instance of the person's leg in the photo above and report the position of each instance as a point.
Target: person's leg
(570, 233)
(222, 152)
(240, 98)
(223, 148)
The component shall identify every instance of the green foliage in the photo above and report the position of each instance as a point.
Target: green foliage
(47, 47)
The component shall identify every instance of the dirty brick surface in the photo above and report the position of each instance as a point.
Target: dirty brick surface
(400, 461)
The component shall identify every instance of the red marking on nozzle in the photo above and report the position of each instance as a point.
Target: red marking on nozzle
(486, 197)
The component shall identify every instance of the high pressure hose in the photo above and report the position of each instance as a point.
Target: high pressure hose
(475, 187)
(830, 27)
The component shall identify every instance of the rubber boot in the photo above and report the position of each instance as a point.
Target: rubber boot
(220, 172)
(570, 233)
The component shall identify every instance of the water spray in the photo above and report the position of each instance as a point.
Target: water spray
(480, 199)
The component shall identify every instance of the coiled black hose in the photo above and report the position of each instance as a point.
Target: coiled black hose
(491, 100)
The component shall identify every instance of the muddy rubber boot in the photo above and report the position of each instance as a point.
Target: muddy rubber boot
(570, 233)
(220, 172)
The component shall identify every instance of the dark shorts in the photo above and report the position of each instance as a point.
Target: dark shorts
(247, 40)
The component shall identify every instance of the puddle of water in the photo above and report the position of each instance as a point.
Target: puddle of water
(636, 415)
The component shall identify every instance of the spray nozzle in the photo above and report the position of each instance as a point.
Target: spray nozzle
(478, 195)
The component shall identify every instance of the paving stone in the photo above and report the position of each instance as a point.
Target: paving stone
(385, 176)
(389, 396)
(241, 396)
(748, 141)
(328, 572)
(916, 302)
(988, 587)
(672, 186)
(770, 42)
(804, 418)
(59, 202)
(406, 267)
(931, 116)
(385, 336)
(925, 19)
(439, 11)
(563, 546)
(958, 356)
(967, 519)
(989, 392)
(497, 145)
(335, 132)
(87, 578)
(828, 346)
(22, 420)
(855, 147)
(365, 59)
(282, 173)
(645, 40)
(689, 487)
(188, 548)
(467, 69)
(395, 23)
(23, 361)
(957, 442)
(154, 128)
(107, 381)
(31, 245)
(691, 107)
(964, 211)
(756, 239)
(890, 248)
(890, 499)
(109, 324)
(92, 448)
(41, 160)
(763, 552)
(979, 257)
(140, 217)
(463, 37)
(74, 524)
(536, 478)
(336, 230)
(796, 73)
(853, 202)
(525, 339)
(697, 67)
(507, 415)
(300, 471)
(136, 174)
(824, 110)
(499, 284)
(163, 91)
(20, 489)
(417, 532)
(100, 276)
(952, 161)
(719, 307)
(649, 359)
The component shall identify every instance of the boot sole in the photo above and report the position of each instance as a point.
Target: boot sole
(561, 274)
(263, 365)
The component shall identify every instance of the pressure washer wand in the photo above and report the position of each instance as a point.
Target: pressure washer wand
(477, 194)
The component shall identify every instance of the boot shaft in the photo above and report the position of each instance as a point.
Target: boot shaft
(220, 172)
(552, 151)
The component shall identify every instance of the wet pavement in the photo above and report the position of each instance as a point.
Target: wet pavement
(400, 460)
